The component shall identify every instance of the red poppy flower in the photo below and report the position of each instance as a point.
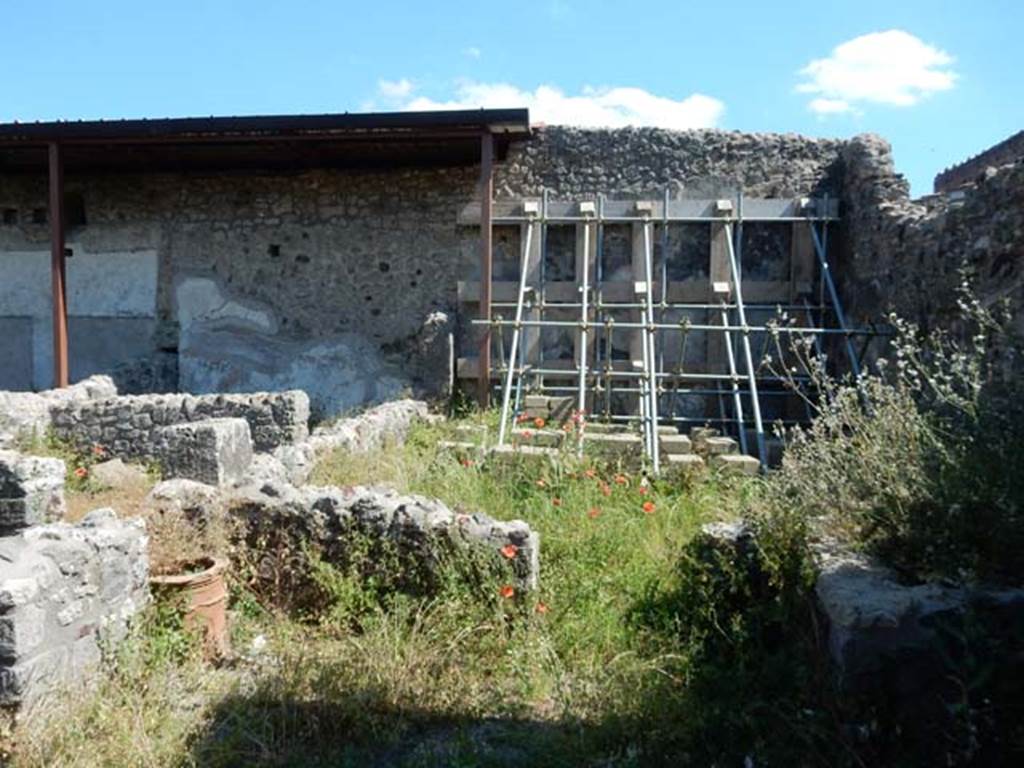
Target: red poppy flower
(648, 507)
(507, 591)
(81, 472)
(593, 512)
(643, 490)
(539, 422)
(541, 608)
(510, 551)
(606, 489)
(98, 450)
(590, 473)
(621, 480)
(467, 462)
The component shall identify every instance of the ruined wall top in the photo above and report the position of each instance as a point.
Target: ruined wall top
(1005, 152)
(635, 162)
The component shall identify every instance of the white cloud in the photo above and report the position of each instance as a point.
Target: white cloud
(472, 52)
(893, 68)
(394, 89)
(829, 106)
(592, 107)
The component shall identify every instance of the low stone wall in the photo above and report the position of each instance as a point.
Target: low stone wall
(129, 426)
(25, 413)
(283, 518)
(379, 426)
(66, 592)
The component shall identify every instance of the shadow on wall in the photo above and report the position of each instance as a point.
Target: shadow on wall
(229, 345)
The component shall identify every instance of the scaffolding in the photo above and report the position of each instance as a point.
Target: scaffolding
(622, 367)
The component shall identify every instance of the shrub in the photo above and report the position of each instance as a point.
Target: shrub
(921, 462)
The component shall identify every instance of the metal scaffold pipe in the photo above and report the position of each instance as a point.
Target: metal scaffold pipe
(517, 330)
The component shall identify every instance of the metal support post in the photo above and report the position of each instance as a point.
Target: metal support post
(762, 453)
(517, 330)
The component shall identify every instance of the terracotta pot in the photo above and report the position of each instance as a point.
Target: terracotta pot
(204, 595)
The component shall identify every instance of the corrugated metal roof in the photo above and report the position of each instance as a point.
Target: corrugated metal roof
(513, 121)
(262, 142)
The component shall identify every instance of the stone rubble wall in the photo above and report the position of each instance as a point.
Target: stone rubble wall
(31, 490)
(905, 256)
(326, 518)
(67, 592)
(637, 163)
(1007, 151)
(129, 426)
(28, 414)
(386, 424)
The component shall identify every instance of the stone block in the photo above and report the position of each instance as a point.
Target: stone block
(31, 490)
(116, 474)
(461, 449)
(533, 453)
(66, 591)
(735, 463)
(546, 438)
(683, 462)
(675, 444)
(717, 446)
(622, 445)
(214, 451)
(605, 428)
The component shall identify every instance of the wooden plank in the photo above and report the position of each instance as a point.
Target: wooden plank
(753, 208)
(801, 264)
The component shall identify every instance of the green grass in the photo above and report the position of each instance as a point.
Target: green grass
(576, 674)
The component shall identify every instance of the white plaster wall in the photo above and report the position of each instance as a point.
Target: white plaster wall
(105, 284)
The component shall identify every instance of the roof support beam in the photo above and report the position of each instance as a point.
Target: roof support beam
(486, 263)
(57, 266)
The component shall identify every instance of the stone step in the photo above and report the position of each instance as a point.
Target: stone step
(614, 444)
(682, 461)
(547, 438)
(736, 463)
(607, 428)
(528, 452)
(717, 446)
(675, 444)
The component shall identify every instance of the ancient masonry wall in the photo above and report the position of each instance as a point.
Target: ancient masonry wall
(906, 256)
(1005, 152)
(342, 283)
(66, 593)
(130, 426)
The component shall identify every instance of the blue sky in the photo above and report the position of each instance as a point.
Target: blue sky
(943, 82)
